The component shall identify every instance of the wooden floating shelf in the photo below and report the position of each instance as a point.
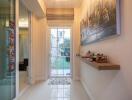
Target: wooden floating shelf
(101, 66)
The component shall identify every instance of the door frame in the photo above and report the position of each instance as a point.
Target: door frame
(71, 48)
(18, 92)
(17, 46)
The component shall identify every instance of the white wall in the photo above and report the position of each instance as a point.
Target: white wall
(76, 44)
(111, 85)
(38, 48)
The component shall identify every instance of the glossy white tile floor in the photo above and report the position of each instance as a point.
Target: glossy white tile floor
(23, 80)
(60, 72)
(43, 91)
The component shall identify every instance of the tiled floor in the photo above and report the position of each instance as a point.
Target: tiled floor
(23, 80)
(60, 72)
(43, 91)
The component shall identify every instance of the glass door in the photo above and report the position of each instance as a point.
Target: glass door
(7, 50)
(60, 40)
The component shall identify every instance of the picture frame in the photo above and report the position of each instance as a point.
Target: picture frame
(101, 21)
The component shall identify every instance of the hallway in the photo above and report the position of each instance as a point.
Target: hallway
(44, 91)
(65, 50)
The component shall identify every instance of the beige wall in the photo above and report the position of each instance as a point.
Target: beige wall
(38, 48)
(38, 39)
(111, 85)
(76, 43)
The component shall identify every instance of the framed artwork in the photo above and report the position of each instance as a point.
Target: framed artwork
(102, 20)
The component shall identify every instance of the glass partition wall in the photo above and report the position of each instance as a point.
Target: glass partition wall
(7, 50)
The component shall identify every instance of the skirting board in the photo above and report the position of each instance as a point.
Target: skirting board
(37, 79)
(87, 89)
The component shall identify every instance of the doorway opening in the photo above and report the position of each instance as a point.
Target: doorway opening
(24, 47)
(60, 52)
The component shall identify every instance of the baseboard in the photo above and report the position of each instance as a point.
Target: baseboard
(37, 79)
(87, 89)
(22, 92)
(77, 78)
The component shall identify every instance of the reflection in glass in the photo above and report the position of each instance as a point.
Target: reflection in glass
(61, 91)
(7, 49)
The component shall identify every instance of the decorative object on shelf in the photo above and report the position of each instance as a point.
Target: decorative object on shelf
(88, 55)
(101, 66)
(100, 58)
(101, 20)
(99, 61)
(93, 57)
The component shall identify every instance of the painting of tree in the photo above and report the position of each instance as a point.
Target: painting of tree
(100, 21)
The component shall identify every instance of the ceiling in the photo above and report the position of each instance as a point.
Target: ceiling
(23, 16)
(63, 3)
(23, 12)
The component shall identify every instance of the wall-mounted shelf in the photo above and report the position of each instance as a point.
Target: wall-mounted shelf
(101, 66)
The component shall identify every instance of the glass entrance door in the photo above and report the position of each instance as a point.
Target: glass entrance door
(7, 49)
(60, 40)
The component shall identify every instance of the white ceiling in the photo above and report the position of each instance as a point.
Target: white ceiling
(23, 16)
(63, 3)
(23, 12)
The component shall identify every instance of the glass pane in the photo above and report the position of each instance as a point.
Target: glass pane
(60, 56)
(60, 32)
(66, 43)
(53, 62)
(54, 51)
(60, 42)
(60, 63)
(67, 33)
(65, 52)
(53, 33)
(54, 42)
(7, 50)
(67, 38)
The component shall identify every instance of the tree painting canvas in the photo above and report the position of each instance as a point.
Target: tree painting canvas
(100, 21)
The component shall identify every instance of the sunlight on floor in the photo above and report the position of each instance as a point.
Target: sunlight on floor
(46, 91)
